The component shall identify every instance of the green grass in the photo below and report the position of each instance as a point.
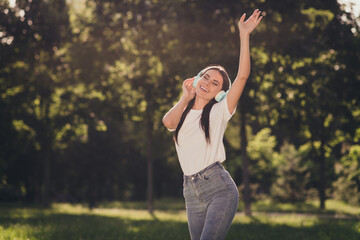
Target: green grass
(130, 220)
(333, 207)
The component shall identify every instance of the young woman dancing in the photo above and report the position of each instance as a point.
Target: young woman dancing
(199, 120)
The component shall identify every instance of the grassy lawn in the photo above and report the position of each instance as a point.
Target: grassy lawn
(130, 220)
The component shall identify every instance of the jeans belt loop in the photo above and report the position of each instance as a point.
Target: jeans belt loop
(201, 176)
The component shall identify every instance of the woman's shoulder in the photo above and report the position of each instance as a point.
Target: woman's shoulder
(220, 106)
(221, 109)
(217, 109)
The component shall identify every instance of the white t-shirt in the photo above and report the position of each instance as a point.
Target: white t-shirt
(194, 152)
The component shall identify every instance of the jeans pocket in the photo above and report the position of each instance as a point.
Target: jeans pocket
(210, 175)
(225, 176)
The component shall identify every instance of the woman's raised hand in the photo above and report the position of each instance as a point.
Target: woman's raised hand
(188, 89)
(250, 24)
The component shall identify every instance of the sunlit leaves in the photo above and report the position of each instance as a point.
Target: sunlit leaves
(317, 18)
(346, 187)
(22, 127)
(261, 146)
(12, 91)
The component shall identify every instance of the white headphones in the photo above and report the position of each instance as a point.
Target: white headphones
(221, 95)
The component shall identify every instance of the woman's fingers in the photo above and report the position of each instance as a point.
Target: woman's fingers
(250, 24)
(188, 83)
(258, 15)
(242, 18)
(190, 86)
(188, 89)
(255, 15)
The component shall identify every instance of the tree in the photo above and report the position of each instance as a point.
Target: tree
(37, 29)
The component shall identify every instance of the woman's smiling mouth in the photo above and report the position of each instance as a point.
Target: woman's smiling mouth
(204, 89)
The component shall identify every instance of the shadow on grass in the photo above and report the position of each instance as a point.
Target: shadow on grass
(69, 226)
(300, 207)
(323, 229)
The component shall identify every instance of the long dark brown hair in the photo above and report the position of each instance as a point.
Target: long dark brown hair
(204, 121)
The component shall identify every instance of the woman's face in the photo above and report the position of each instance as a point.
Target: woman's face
(209, 84)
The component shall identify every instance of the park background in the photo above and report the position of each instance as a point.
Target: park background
(84, 85)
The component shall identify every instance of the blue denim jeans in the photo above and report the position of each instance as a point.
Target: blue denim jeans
(211, 199)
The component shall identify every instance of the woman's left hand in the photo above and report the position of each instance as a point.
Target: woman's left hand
(249, 25)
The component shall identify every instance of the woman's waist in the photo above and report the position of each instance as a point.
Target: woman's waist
(216, 166)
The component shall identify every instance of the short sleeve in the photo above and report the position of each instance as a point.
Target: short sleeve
(225, 109)
(221, 110)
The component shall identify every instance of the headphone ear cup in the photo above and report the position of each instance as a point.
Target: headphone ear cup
(196, 81)
(197, 78)
(220, 96)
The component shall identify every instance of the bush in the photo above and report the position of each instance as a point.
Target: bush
(291, 176)
(346, 187)
(261, 154)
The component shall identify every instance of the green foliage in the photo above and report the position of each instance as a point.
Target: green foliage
(261, 152)
(292, 175)
(347, 185)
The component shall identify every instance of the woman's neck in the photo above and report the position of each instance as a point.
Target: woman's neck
(199, 103)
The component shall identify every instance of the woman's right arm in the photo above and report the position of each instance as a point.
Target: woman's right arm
(172, 117)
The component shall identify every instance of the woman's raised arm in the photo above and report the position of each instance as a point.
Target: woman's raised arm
(245, 28)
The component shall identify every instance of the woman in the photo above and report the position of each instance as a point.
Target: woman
(199, 120)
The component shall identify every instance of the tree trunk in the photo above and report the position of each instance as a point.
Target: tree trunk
(46, 154)
(322, 180)
(91, 156)
(36, 180)
(149, 139)
(46, 179)
(245, 163)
